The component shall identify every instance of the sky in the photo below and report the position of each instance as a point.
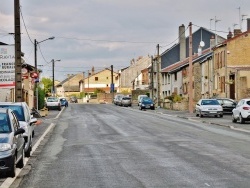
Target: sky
(101, 33)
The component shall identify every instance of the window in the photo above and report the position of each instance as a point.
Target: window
(96, 78)
(175, 76)
(107, 78)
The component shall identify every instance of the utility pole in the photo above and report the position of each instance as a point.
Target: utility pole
(53, 77)
(112, 83)
(190, 90)
(18, 62)
(152, 77)
(158, 74)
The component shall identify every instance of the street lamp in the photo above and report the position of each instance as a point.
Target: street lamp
(53, 76)
(35, 45)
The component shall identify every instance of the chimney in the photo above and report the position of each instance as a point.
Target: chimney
(93, 70)
(212, 41)
(237, 32)
(182, 41)
(248, 24)
(230, 35)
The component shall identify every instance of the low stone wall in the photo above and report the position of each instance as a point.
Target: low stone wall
(181, 106)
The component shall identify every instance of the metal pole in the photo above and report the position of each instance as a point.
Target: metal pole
(53, 77)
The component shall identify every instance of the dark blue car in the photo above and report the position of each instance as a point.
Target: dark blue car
(146, 103)
(64, 102)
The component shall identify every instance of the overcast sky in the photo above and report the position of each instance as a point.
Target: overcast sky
(102, 33)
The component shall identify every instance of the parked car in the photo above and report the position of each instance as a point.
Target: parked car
(26, 121)
(139, 98)
(126, 101)
(242, 111)
(64, 102)
(53, 103)
(208, 107)
(73, 99)
(11, 143)
(227, 104)
(117, 99)
(146, 103)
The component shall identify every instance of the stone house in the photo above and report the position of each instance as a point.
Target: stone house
(232, 66)
(129, 74)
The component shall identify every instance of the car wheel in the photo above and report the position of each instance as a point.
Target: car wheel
(201, 115)
(59, 109)
(233, 119)
(221, 115)
(12, 172)
(241, 119)
(33, 133)
(20, 164)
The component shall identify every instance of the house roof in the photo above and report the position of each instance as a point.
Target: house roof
(231, 39)
(65, 80)
(172, 55)
(176, 66)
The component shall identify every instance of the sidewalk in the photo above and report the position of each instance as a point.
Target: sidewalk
(226, 121)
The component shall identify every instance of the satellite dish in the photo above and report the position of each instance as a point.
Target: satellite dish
(202, 44)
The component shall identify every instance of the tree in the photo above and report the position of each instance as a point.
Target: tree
(41, 96)
(48, 83)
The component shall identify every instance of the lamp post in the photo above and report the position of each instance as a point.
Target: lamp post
(35, 46)
(53, 76)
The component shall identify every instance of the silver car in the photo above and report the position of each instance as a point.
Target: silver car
(26, 121)
(126, 101)
(208, 107)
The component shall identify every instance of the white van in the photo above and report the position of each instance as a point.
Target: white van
(139, 98)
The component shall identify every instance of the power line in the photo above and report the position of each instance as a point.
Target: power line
(25, 25)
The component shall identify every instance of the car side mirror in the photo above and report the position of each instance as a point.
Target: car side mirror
(32, 121)
(19, 131)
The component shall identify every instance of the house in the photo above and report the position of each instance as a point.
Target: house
(173, 59)
(142, 80)
(232, 66)
(128, 75)
(99, 81)
(70, 86)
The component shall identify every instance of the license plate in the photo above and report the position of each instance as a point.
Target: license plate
(213, 112)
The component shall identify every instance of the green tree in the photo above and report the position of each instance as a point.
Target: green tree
(41, 96)
(47, 82)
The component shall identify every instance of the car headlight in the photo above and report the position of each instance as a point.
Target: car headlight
(5, 147)
(152, 105)
(143, 104)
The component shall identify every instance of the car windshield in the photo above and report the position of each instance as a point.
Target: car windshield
(147, 100)
(126, 98)
(52, 100)
(210, 102)
(4, 125)
(18, 110)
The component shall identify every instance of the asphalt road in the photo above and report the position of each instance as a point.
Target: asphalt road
(93, 145)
